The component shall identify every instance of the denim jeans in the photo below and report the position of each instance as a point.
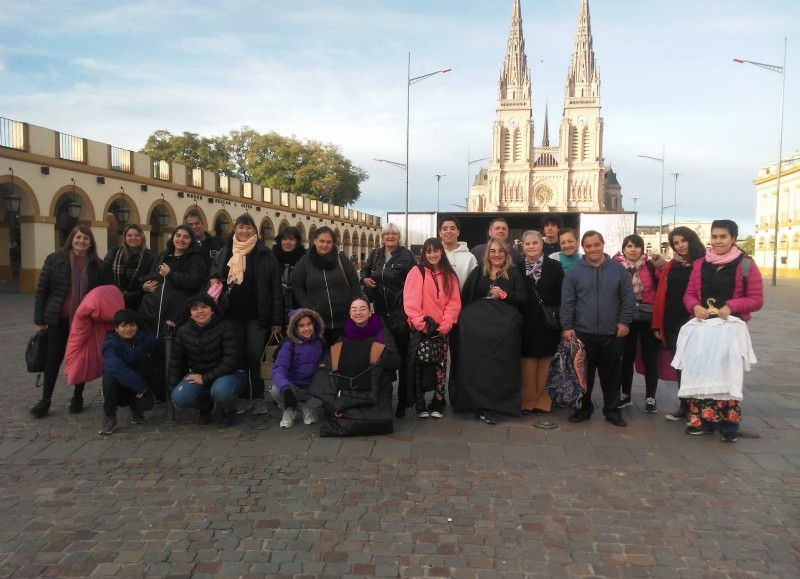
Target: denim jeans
(223, 392)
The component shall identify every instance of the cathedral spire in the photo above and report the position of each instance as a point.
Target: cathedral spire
(545, 131)
(515, 80)
(583, 80)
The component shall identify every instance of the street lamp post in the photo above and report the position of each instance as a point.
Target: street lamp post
(782, 71)
(413, 80)
(674, 205)
(438, 179)
(661, 205)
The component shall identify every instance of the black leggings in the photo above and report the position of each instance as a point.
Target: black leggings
(640, 333)
(57, 337)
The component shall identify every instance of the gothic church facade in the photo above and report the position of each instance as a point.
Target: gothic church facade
(570, 176)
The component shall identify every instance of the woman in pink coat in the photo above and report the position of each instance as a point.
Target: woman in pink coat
(432, 302)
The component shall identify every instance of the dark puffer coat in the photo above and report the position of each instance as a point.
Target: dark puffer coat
(211, 350)
(54, 284)
(129, 362)
(131, 288)
(390, 277)
(269, 295)
(327, 292)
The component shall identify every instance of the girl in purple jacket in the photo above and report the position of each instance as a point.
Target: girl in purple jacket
(295, 365)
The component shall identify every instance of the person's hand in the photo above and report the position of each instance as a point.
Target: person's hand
(568, 334)
(150, 286)
(40, 329)
(622, 330)
(370, 283)
(496, 293)
(163, 270)
(724, 312)
(700, 312)
(657, 334)
(289, 399)
(445, 327)
(194, 378)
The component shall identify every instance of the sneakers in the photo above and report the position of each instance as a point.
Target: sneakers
(259, 406)
(309, 415)
(76, 405)
(678, 415)
(730, 436)
(287, 421)
(650, 405)
(40, 409)
(137, 416)
(694, 430)
(624, 402)
(436, 408)
(486, 417)
(242, 406)
(109, 425)
(422, 410)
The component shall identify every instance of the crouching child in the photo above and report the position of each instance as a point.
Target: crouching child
(127, 370)
(295, 365)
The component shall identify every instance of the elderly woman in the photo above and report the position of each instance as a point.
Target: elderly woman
(543, 279)
(250, 275)
(668, 311)
(490, 329)
(384, 276)
(325, 281)
(67, 276)
(728, 281)
(129, 263)
(569, 254)
(288, 250)
(642, 271)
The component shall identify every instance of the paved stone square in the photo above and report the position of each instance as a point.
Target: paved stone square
(448, 498)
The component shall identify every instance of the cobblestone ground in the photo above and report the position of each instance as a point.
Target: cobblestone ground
(448, 498)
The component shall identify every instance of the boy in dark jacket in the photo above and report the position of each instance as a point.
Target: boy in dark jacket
(295, 365)
(127, 369)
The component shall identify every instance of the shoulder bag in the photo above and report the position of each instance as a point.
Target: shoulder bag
(552, 314)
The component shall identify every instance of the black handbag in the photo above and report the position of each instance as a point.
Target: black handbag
(552, 314)
(431, 349)
(36, 355)
(643, 313)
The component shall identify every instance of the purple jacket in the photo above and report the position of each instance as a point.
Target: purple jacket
(299, 369)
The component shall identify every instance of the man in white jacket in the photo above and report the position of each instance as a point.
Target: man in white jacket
(458, 253)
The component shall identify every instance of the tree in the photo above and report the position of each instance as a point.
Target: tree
(311, 169)
(747, 245)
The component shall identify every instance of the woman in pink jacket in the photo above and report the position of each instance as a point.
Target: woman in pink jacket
(643, 277)
(432, 302)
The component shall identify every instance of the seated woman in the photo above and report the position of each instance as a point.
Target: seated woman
(355, 384)
(296, 363)
(490, 327)
(205, 369)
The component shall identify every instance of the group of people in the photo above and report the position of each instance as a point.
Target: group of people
(478, 327)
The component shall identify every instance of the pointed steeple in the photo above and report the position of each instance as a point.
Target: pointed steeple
(545, 130)
(515, 79)
(583, 80)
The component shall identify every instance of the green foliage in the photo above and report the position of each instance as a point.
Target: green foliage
(309, 168)
(748, 245)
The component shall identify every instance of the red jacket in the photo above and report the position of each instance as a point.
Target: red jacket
(741, 304)
(426, 297)
(83, 360)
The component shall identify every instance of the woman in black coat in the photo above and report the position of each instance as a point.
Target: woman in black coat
(288, 250)
(250, 275)
(129, 264)
(384, 276)
(543, 279)
(489, 329)
(325, 281)
(67, 276)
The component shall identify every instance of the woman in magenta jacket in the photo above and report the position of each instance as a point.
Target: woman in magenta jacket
(432, 302)
(720, 276)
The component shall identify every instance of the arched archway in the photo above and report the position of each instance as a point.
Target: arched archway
(311, 231)
(70, 206)
(302, 229)
(267, 232)
(223, 224)
(362, 254)
(347, 246)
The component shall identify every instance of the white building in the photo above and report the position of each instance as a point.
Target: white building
(788, 220)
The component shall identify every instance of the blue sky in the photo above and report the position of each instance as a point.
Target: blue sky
(335, 71)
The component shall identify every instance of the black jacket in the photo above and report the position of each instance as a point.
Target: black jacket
(54, 284)
(211, 351)
(390, 277)
(514, 286)
(269, 296)
(327, 292)
(131, 288)
(538, 342)
(209, 248)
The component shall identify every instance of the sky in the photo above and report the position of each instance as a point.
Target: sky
(336, 71)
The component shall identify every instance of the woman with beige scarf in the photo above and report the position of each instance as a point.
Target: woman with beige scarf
(251, 277)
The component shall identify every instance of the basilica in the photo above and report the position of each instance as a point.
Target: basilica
(567, 177)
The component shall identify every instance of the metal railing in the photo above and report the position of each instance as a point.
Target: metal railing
(161, 170)
(121, 160)
(71, 148)
(12, 134)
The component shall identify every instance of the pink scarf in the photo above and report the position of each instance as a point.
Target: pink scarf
(237, 262)
(716, 259)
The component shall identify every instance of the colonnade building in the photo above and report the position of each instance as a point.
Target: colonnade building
(788, 218)
(51, 181)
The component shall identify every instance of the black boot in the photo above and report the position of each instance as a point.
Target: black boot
(41, 408)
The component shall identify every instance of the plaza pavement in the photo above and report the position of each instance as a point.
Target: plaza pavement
(447, 498)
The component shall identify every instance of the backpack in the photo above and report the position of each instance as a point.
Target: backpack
(566, 378)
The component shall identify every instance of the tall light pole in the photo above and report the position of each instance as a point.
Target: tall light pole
(413, 80)
(438, 178)
(782, 71)
(661, 205)
(674, 205)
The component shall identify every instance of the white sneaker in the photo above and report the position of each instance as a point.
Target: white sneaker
(259, 406)
(242, 405)
(309, 415)
(288, 418)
